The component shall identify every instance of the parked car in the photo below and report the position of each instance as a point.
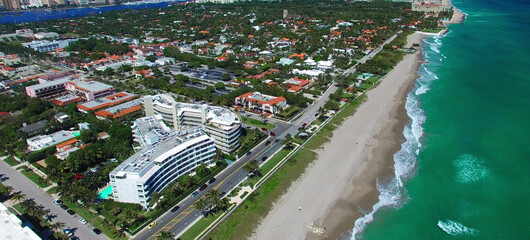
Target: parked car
(64, 207)
(304, 125)
(263, 159)
(151, 225)
(70, 211)
(83, 221)
(204, 186)
(58, 202)
(264, 129)
(96, 231)
(212, 180)
(249, 152)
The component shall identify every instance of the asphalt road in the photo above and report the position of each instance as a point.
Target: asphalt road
(20, 183)
(177, 221)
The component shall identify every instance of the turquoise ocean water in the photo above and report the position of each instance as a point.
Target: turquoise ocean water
(464, 171)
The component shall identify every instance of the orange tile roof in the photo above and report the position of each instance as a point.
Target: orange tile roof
(106, 114)
(295, 88)
(64, 144)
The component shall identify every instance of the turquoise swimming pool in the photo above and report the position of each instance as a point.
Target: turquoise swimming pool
(105, 193)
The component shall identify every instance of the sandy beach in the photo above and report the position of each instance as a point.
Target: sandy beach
(341, 183)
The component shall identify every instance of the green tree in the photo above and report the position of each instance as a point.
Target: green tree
(166, 235)
(225, 76)
(252, 167)
(201, 204)
(19, 197)
(219, 86)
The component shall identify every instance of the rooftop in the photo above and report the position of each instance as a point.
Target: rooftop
(34, 126)
(121, 109)
(90, 86)
(11, 226)
(107, 101)
(144, 160)
(48, 84)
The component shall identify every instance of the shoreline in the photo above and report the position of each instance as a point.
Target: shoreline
(342, 180)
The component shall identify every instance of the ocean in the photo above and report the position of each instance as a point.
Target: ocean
(464, 170)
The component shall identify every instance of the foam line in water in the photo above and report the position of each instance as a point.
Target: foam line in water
(455, 228)
(393, 194)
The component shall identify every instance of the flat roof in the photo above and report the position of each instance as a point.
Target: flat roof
(144, 160)
(60, 81)
(107, 101)
(90, 86)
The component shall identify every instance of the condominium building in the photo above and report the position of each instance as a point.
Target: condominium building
(262, 103)
(44, 141)
(218, 122)
(48, 46)
(47, 89)
(155, 166)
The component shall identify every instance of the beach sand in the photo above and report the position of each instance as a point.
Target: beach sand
(325, 202)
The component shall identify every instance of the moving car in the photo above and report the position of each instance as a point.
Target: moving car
(276, 140)
(204, 186)
(268, 142)
(273, 134)
(151, 225)
(304, 125)
(174, 209)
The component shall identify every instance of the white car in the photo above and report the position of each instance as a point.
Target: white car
(83, 221)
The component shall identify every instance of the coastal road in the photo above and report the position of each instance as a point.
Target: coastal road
(176, 222)
(229, 178)
(370, 55)
(20, 183)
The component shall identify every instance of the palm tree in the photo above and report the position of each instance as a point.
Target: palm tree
(252, 167)
(56, 226)
(214, 197)
(288, 141)
(7, 190)
(201, 204)
(166, 235)
(19, 197)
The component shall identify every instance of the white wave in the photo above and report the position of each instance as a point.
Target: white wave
(393, 193)
(455, 228)
(470, 169)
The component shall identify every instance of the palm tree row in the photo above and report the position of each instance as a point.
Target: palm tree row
(212, 200)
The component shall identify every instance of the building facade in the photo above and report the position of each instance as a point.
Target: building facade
(155, 166)
(262, 103)
(218, 122)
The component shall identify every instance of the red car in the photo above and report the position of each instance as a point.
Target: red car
(264, 129)
(304, 125)
(204, 186)
(273, 134)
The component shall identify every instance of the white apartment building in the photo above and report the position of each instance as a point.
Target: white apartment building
(218, 122)
(155, 166)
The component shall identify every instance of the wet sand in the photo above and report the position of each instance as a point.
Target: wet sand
(341, 183)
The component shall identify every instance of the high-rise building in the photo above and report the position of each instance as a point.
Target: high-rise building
(218, 122)
(167, 156)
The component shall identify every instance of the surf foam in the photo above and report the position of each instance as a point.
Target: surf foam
(455, 228)
(469, 169)
(393, 194)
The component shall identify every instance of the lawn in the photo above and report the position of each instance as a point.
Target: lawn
(243, 221)
(52, 190)
(11, 161)
(258, 123)
(201, 225)
(35, 178)
(93, 219)
(274, 160)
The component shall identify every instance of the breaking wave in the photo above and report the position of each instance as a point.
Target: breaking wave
(455, 228)
(393, 193)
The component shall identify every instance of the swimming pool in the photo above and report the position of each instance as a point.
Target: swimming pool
(105, 193)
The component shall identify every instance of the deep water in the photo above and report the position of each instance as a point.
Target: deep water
(464, 172)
